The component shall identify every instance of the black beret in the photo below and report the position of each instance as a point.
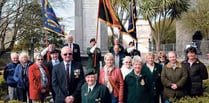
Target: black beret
(89, 72)
(54, 51)
(131, 43)
(92, 39)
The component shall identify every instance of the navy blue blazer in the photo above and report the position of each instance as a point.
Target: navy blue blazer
(76, 52)
(60, 85)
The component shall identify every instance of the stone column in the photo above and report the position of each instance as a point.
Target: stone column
(183, 38)
(78, 36)
(86, 12)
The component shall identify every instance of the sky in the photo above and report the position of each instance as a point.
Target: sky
(65, 10)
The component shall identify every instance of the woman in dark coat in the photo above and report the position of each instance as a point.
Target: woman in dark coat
(173, 78)
(21, 77)
(136, 87)
(153, 72)
(197, 73)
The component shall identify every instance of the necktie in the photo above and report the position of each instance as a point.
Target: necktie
(89, 90)
(67, 72)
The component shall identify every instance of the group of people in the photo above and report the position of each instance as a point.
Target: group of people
(123, 78)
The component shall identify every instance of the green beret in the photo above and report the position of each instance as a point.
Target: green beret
(89, 72)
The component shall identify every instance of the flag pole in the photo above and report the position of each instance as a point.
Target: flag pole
(46, 39)
(97, 27)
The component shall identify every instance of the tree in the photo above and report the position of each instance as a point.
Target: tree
(157, 12)
(10, 20)
(31, 26)
(197, 17)
(22, 21)
(170, 34)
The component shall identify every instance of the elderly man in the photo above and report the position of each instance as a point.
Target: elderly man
(67, 78)
(118, 56)
(116, 42)
(75, 48)
(93, 92)
(8, 75)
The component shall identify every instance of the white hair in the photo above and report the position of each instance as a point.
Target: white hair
(137, 59)
(14, 54)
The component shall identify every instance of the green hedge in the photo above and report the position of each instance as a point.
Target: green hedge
(201, 99)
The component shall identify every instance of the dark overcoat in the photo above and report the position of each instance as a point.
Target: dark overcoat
(91, 58)
(171, 75)
(99, 94)
(197, 72)
(154, 80)
(136, 89)
(60, 85)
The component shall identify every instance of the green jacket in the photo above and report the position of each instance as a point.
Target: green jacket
(154, 80)
(99, 94)
(177, 76)
(91, 56)
(136, 89)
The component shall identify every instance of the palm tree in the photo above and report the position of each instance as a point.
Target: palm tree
(157, 12)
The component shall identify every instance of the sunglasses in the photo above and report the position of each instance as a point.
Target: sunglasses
(162, 57)
(67, 54)
(39, 59)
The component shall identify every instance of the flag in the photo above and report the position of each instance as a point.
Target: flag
(108, 16)
(50, 20)
(132, 20)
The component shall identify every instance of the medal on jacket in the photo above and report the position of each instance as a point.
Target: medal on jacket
(86, 94)
(98, 100)
(142, 82)
(77, 73)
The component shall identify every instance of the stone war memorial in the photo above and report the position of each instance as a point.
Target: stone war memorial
(86, 12)
(85, 25)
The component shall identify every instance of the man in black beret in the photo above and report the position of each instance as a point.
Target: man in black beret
(54, 55)
(94, 56)
(92, 91)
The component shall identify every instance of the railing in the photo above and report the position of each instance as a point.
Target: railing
(202, 48)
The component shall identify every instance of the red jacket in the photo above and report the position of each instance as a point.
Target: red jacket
(117, 79)
(35, 86)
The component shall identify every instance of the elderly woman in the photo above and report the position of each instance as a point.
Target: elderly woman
(126, 67)
(111, 77)
(136, 86)
(162, 59)
(173, 78)
(153, 71)
(21, 76)
(39, 80)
